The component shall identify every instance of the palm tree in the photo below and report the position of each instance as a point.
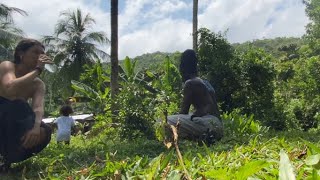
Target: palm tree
(114, 53)
(73, 44)
(195, 25)
(9, 34)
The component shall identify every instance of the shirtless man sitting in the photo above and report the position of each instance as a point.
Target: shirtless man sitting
(22, 132)
(204, 124)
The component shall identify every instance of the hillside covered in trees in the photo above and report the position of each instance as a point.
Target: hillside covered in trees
(276, 47)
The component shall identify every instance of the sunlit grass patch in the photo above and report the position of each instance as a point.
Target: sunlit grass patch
(99, 158)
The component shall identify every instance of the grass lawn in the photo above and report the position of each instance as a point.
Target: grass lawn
(252, 156)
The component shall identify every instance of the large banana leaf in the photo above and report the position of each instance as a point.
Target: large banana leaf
(85, 90)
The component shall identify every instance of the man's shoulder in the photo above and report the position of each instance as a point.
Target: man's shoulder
(193, 81)
(6, 65)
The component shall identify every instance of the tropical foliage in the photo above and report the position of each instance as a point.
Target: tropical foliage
(9, 33)
(74, 45)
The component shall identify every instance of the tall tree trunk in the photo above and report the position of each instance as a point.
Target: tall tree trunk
(114, 55)
(195, 25)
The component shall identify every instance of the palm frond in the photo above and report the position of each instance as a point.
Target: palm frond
(99, 37)
(8, 39)
(11, 28)
(5, 52)
(88, 21)
(78, 44)
(6, 12)
(96, 52)
(14, 34)
(60, 27)
(48, 39)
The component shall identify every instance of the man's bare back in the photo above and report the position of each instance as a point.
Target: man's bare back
(203, 124)
(197, 94)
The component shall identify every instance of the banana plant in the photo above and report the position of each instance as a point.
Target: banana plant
(128, 74)
(99, 94)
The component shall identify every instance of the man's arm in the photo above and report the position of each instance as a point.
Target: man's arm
(187, 99)
(12, 85)
(32, 137)
(215, 104)
(38, 101)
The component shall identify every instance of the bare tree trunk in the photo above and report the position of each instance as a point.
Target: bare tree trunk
(114, 55)
(195, 25)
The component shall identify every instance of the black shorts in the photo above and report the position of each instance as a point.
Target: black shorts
(16, 118)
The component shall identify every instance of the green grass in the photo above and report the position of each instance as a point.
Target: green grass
(254, 156)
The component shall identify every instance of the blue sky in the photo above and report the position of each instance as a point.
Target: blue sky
(146, 26)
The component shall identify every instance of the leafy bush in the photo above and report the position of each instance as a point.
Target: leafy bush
(136, 102)
(136, 114)
(236, 124)
(298, 96)
(255, 73)
(242, 80)
(216, 58)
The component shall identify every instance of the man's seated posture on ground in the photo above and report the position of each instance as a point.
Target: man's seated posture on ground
(204, 124)
(22, 132)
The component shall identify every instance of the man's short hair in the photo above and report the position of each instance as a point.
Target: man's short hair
(23, 46)
(189, 61)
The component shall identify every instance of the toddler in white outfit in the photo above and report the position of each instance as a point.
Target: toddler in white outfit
(64, 123)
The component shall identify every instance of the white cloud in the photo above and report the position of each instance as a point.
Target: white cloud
(161, 36)
(155, 25)
(247, 20)
(43, 15)
(162, 9)
(128, 20)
